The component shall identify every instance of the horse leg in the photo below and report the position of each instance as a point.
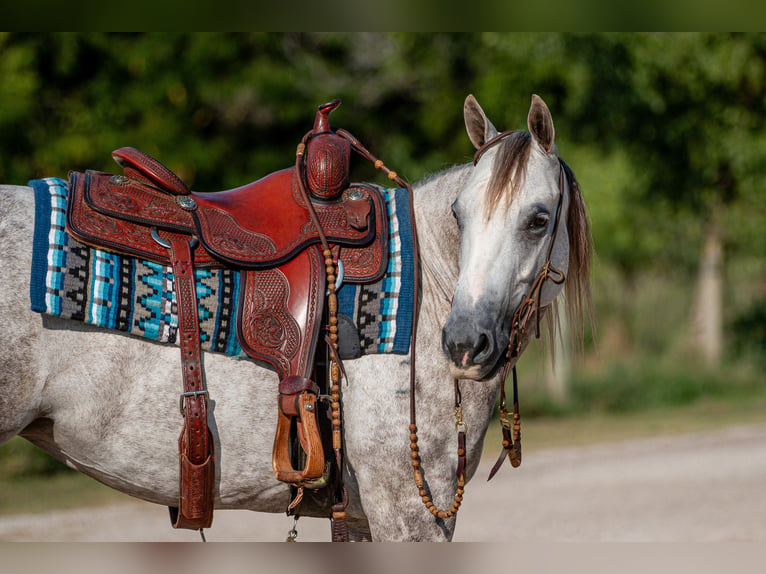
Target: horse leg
(377, 446)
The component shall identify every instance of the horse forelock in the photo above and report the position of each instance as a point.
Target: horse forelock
(508, 170)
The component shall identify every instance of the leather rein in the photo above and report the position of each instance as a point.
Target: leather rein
(528, 309)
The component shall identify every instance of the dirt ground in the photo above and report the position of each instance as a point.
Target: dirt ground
(687, 488)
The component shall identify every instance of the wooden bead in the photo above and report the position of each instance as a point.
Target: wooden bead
(422, 492)
(413, 437)
(413, 446)
(425, 499)
(327, 253)
(413, 455)
(415, 463)
(413, 428)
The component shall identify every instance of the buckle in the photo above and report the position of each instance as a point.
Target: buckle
(187, 394)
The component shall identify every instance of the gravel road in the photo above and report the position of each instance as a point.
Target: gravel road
(687, 488)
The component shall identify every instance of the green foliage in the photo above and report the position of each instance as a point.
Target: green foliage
(636, 386)
(19, 458)
(666, 133)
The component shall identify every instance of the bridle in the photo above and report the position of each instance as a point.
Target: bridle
(528, 309)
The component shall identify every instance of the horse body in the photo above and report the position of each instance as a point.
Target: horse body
(107, 404)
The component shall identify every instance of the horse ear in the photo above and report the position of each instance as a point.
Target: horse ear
(478, 126)
(540, 123)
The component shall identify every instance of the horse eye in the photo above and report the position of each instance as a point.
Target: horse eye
(538, 222)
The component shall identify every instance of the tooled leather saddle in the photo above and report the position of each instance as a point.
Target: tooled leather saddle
(286, 233)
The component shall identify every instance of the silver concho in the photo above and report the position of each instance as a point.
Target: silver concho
(119, 179)
(355, 194)
(186, 202)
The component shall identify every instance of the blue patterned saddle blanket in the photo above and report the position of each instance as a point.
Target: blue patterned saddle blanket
(74, 281)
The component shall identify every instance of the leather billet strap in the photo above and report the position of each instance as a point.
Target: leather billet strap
(197, 461)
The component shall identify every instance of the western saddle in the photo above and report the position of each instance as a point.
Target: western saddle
(288, 234)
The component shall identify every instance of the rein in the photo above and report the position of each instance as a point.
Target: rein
(527, 309)
(511, 427)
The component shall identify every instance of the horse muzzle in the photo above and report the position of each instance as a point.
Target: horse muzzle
(475, 351)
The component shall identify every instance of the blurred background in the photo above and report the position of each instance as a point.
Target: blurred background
(666, 133)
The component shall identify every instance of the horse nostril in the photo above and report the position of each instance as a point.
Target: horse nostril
(483, 348)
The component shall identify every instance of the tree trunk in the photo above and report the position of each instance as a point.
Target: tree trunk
(708, 314)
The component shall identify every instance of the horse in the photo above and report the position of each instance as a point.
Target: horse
(106, 403)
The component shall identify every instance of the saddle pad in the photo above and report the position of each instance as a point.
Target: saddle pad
(74, 281)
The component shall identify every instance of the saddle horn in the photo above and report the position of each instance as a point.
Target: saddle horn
(327, 157)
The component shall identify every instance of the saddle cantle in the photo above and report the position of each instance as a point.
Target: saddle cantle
(287, 233)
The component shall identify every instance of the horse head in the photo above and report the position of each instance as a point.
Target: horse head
(523, 231)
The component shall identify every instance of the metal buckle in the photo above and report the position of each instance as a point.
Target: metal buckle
(190, 394)
(166, 244)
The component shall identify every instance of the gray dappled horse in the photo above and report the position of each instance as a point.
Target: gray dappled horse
(107, 404)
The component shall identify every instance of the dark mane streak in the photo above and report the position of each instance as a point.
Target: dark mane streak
(509, 166)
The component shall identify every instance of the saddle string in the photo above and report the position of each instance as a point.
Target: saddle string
(339, 527)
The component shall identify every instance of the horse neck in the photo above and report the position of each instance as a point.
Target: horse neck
(439, 240)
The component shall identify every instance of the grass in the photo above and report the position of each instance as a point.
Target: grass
(68, 489)
(60, 491)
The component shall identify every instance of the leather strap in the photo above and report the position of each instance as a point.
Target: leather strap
(195, 445)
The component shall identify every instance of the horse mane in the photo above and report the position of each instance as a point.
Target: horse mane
(509, 169)
(577, 287)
